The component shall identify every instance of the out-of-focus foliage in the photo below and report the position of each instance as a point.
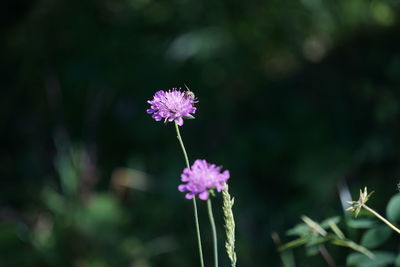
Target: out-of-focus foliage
(79, 227)
(314, 236)
(295, 97)
(393, 209)
(373, 235)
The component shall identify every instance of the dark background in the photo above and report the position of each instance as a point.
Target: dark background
(295, 97)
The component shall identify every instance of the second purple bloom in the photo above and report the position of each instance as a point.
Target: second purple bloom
(202, 177)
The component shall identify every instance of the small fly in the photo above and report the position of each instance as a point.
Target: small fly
(189, 94)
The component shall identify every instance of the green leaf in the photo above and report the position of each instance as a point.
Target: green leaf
(354, 246)
(294, 243)
(287, 258)
(361, 223)
(101, 215)
(314, 226)
(312, 250)
(315, 240)
(381, 259)
(376, 236)
(393, 208)
(189, 118)
(301, 229)
(54, 201)
(327, 222)
(397, 261)
(336, 230)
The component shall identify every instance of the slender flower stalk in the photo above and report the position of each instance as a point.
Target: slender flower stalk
(327, 256)
(356, 206)
(214, 231)
(229, 225)
(178, 135)
(380, 217)
(196, 217)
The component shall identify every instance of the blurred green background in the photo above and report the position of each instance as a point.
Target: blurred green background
(295, 97)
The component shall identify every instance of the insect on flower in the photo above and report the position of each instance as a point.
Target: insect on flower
(189, 94)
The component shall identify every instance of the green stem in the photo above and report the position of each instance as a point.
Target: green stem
(178, 133)
(214, 232)
(397, 230)
(196, 217)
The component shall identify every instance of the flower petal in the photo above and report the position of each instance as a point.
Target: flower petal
(203, 195)
(179, 121)
(182, 188)
(189, 195)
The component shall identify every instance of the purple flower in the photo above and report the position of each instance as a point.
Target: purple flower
(201, 177)
(172, 105)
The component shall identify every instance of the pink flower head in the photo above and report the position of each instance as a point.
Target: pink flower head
(202, 177)
(172, 105)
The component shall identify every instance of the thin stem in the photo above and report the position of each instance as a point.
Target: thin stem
(196, 217)
(214, 232)
(327, 256)
(381, 218)
(178, 133)
(286, 256)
